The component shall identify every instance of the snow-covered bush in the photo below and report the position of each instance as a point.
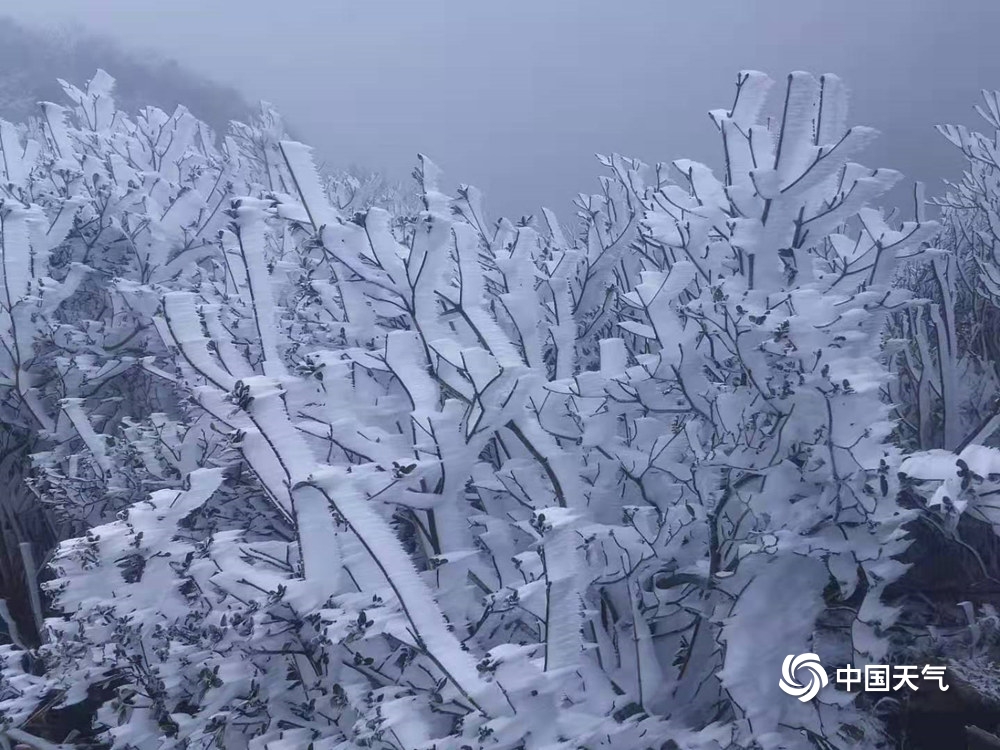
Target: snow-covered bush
(943, 350)
(434, 481)
(756, 307)
(946, 352)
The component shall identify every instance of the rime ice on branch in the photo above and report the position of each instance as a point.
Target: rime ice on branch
(428, 480)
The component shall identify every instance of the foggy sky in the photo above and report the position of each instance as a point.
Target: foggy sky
(515, 96)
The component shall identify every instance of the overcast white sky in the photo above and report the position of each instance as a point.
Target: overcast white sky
(516, 96)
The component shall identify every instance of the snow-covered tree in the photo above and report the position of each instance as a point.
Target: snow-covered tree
(947, 395)
(943, 351)
(753, 316)
(344, 478)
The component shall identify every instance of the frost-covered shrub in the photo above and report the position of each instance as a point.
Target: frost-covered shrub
(946, 352)
(946, 397)
(94, 214)
(754, 322)
(943, 350)
(435, 481)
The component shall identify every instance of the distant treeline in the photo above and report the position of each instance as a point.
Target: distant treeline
(31, 61)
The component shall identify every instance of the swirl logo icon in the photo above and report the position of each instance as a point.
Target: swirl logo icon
(808, 663)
